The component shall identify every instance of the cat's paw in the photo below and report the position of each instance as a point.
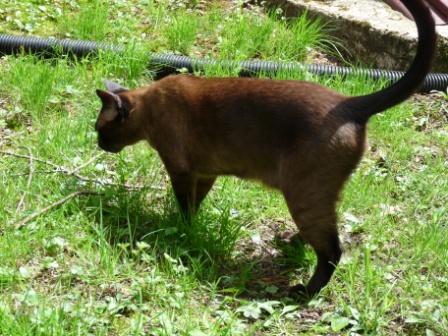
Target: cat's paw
(299, 292)
(290, 238)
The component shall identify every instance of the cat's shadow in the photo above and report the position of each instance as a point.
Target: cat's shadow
(258, 267)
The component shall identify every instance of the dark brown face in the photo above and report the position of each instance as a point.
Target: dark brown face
(114, 124)
(108, 136)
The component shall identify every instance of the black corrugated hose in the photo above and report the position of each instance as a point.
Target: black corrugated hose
(169, 63)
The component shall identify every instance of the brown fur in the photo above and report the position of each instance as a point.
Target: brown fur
(297, 137)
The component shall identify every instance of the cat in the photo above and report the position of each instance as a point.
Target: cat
(294, 136)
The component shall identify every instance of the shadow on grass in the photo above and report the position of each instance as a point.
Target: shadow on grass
(213, 245)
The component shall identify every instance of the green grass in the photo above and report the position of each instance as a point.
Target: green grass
(91, 22)
(181, 33)
(122, 262)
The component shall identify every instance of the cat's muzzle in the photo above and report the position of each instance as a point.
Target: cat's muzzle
(109, 148)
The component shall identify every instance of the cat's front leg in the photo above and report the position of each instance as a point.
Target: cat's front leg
(184, 187)
(203, 186)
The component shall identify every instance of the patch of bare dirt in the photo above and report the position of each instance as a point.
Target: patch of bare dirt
(266, 259)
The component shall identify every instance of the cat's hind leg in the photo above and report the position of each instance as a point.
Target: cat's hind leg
(315, 216)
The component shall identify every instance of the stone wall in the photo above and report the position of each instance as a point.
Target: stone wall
(369, 31)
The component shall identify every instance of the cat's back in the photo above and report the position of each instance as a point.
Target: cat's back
(260, 96)
(277, 113)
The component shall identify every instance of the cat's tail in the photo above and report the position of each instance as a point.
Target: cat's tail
(363, 107)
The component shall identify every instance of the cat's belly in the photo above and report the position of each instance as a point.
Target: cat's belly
(268, 178)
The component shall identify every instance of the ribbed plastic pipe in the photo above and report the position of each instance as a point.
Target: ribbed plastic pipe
(170, 63)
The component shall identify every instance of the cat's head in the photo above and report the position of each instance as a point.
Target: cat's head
(117, 125)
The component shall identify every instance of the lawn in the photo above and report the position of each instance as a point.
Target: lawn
(92, 243)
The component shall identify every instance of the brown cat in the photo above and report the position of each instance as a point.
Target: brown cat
(300, 138)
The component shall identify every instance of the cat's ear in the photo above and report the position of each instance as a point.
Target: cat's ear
(111, 104)
(114, 87)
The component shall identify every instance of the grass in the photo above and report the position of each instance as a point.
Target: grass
(122, 262)
(182, 32)
(91, 22)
